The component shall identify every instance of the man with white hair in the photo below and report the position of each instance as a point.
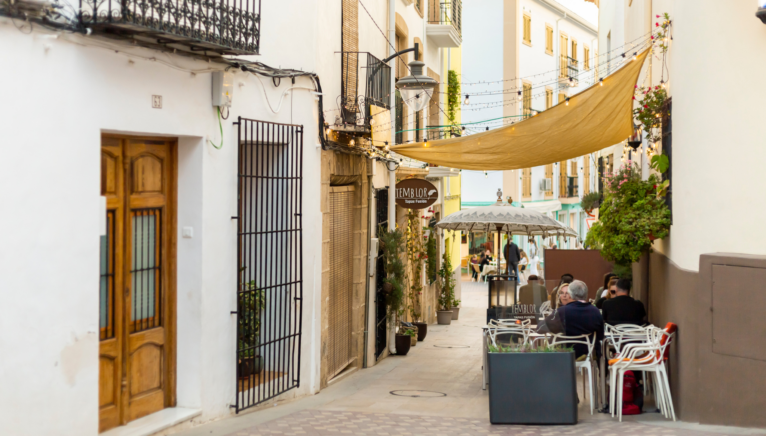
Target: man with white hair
(580, 317)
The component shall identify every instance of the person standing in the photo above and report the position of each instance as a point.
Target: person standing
(523, 268)
(512, 257)
(533, 259)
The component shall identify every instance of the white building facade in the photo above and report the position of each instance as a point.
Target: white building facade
(171, 218)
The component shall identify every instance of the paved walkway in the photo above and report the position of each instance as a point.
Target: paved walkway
(446, 367)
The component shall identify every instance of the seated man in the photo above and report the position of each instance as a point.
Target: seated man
(622, 308)
(533, 292)
(580, 317)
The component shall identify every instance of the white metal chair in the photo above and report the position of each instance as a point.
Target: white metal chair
(623, 334)
(545, 308)
(647, 357)
(510, 327)
(587, 364)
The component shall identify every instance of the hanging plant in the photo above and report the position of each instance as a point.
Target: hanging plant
(663, 34)
(649, 111)
(632, 215)
(590, 201)
(392, 243)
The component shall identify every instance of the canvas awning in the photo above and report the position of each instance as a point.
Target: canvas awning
(596, 118)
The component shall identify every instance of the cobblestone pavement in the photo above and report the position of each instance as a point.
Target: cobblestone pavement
(328, 422)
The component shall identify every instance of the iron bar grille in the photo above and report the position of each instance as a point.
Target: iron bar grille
(356, 102)
(446, 12)
(572, 187)
(572, 67)
(399, 118)
(381, 333)
(220, 26)
(269, 260)
(146, 270)
(106, 283)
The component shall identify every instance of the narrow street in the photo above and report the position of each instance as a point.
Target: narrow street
(444, 371)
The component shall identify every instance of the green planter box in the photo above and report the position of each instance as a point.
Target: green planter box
(532, 388)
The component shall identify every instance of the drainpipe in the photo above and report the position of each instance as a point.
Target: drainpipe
(392, 173)
(370, 217)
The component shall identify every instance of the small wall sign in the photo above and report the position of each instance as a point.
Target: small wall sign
(416, 194)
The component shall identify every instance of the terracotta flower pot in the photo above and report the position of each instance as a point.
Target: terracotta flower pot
(444, 317)
(422, 330)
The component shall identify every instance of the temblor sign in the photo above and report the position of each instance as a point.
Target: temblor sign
(416, 194)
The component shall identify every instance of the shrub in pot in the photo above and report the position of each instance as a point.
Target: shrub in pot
(447, 294)
(532, 385)
(455, 309)
(252, 304)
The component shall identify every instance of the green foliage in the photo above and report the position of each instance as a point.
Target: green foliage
(416, 255)
(392, 243)
(539, 347)
(660, 163)
(649, 111)
(409, 332)
(632, 214)
(447, 283)
(252, 303)
(623, 271)
(431, 257)
(662, 35)
(455, 303)
(453, 96)
(590, 201)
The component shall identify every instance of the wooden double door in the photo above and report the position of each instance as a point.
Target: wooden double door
(137, 279)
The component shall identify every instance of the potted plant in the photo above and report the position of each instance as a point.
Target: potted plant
(251, 305)
(404, 341)
(632, 215)
(447, 294)
(590, 201)
(532, 385)
(455, 309)
(392, 244)
(431, 258)
(417, 256)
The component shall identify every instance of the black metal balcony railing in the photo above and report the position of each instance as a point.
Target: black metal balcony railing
(569, 67)
(356, 102)
(223, 27)
(446, 12)
(572, 187)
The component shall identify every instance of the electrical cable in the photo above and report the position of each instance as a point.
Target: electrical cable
(220, 125)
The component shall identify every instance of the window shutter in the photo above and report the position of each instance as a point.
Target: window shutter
(562, 97)
(586, 56)
(586, 175)
(527, 96)
(549, 39)
(574, 50)
(562, 179)
(548, 98)
(527, 29)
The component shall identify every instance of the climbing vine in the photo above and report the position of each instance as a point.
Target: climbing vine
(416, 255)
(453, 96)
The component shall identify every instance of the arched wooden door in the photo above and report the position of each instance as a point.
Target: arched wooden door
(137, 286)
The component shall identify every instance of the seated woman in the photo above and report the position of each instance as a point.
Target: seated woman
(486, 258)
(474, 272)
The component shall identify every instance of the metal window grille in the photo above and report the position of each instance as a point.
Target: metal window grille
(446, 12)
(381, 335)
(146, 269)
(269, 260)
(341, 285)
(356, 102)
(106, 283)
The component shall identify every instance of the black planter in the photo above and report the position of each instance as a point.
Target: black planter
(403, 344)
(422, 330)
(249, 366)
(532, 388)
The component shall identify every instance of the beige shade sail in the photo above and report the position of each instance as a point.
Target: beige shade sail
(596, 118)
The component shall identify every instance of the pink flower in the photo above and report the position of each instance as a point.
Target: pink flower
(634, 97)
(636, 86)
(656, 24)
(658, 16)
(652, 37)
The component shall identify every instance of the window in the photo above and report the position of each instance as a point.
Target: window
(586, 57)
(548, 39)
(419, 7)
(564, 48)
(526, 182)
(527, 29)
(548, 98)
(574, 50)
(549, 175)
(527, 100)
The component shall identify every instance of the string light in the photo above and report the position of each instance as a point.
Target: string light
(635, 56)
(485, 175)
(425, 144)
(352, 143)
(601, 81)
(519, 95)
(372, 121)
(466, 102)
(567, 101)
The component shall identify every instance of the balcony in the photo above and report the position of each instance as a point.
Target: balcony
(572, 187)
(357, 101)
(444, 22)
(197, 27)
(569, 71)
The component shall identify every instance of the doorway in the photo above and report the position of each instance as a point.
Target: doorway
(137, 279)
(340, 347)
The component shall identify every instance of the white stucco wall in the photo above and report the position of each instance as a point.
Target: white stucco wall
(65, 96)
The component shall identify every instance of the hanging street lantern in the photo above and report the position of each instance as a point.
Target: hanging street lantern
(417, 88)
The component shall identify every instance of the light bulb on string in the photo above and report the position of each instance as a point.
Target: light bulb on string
(372, 121)
(601, 81)
(635, 56)
(352, 143)
(567, 101)
(520, 96)
(486, 175)
(466, 102)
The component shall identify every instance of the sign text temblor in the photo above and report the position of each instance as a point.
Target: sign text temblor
(416, 194)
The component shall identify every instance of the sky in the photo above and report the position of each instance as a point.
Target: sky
(587, 10)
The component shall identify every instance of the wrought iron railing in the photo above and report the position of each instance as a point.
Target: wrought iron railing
(570, 67)
(446, 12)
(199, 26)
(573, 189)
(356, 101)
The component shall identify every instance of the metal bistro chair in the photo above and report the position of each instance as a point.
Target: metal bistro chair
(512, 327)
(648, 357)
(587, 364)
(620, 335)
